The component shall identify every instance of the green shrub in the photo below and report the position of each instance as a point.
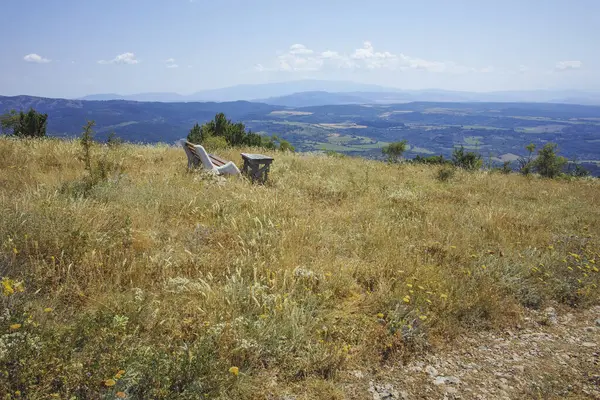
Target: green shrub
(213, 143)
(526, 164)
(30, 124)
(445, 173)
(394, 151)
(579, 172)
(97, 171)
(275, 143)
(431, 160)
(113, 140)
(548, 164)
(466, 159)
(335, 154)
(231, 134)
(506, 169)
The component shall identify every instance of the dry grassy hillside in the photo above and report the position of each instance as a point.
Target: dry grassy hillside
(155, 282)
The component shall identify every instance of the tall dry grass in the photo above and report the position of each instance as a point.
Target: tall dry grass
(155, 282)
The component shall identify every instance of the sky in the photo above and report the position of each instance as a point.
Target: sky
(72, 48)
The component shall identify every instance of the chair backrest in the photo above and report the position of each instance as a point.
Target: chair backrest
(191, 151)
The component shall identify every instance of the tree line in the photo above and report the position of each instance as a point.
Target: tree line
(222, 132)
(546, 163)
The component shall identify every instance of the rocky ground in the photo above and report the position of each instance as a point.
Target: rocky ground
(552, 355)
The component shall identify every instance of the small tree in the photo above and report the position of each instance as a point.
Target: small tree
(580, 172)
(8, 122)
(431, 160)
(526, 164)
(87, 140)
(195, 135)
(548, 164)
(466, 160)
(394, 151)
(113, 140)
(30, 124)
(284, 145)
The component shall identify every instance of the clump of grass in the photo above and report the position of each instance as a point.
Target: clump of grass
(445, 173)
(161, 283)
(99, 168)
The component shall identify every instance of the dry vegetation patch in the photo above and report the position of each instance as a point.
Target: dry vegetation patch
(155, 282)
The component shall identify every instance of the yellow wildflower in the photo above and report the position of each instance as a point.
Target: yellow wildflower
(15, 251)
(406, 299)
(234, 371)
(550, 247)
(409, 285)
(110, 382)
(444, 296)
(7, 288)
(14, 327)
(48, 309)
(422, 317)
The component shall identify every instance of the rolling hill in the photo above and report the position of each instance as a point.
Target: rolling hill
(499, 131)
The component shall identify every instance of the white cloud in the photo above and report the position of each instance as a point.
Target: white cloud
(301, 58)
(171, 63)
(297, 58)
(125, 58)
(567, 65)
(299, 49)
(36, 58)
(371, 59)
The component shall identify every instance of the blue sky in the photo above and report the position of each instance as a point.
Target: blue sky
(69, 48)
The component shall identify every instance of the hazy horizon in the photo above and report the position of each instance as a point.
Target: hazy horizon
(72, 49)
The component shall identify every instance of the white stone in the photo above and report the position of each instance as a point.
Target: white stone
(431, 371)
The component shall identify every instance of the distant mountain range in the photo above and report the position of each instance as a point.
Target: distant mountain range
(247, 92)
(304, 93)
(321, 98)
